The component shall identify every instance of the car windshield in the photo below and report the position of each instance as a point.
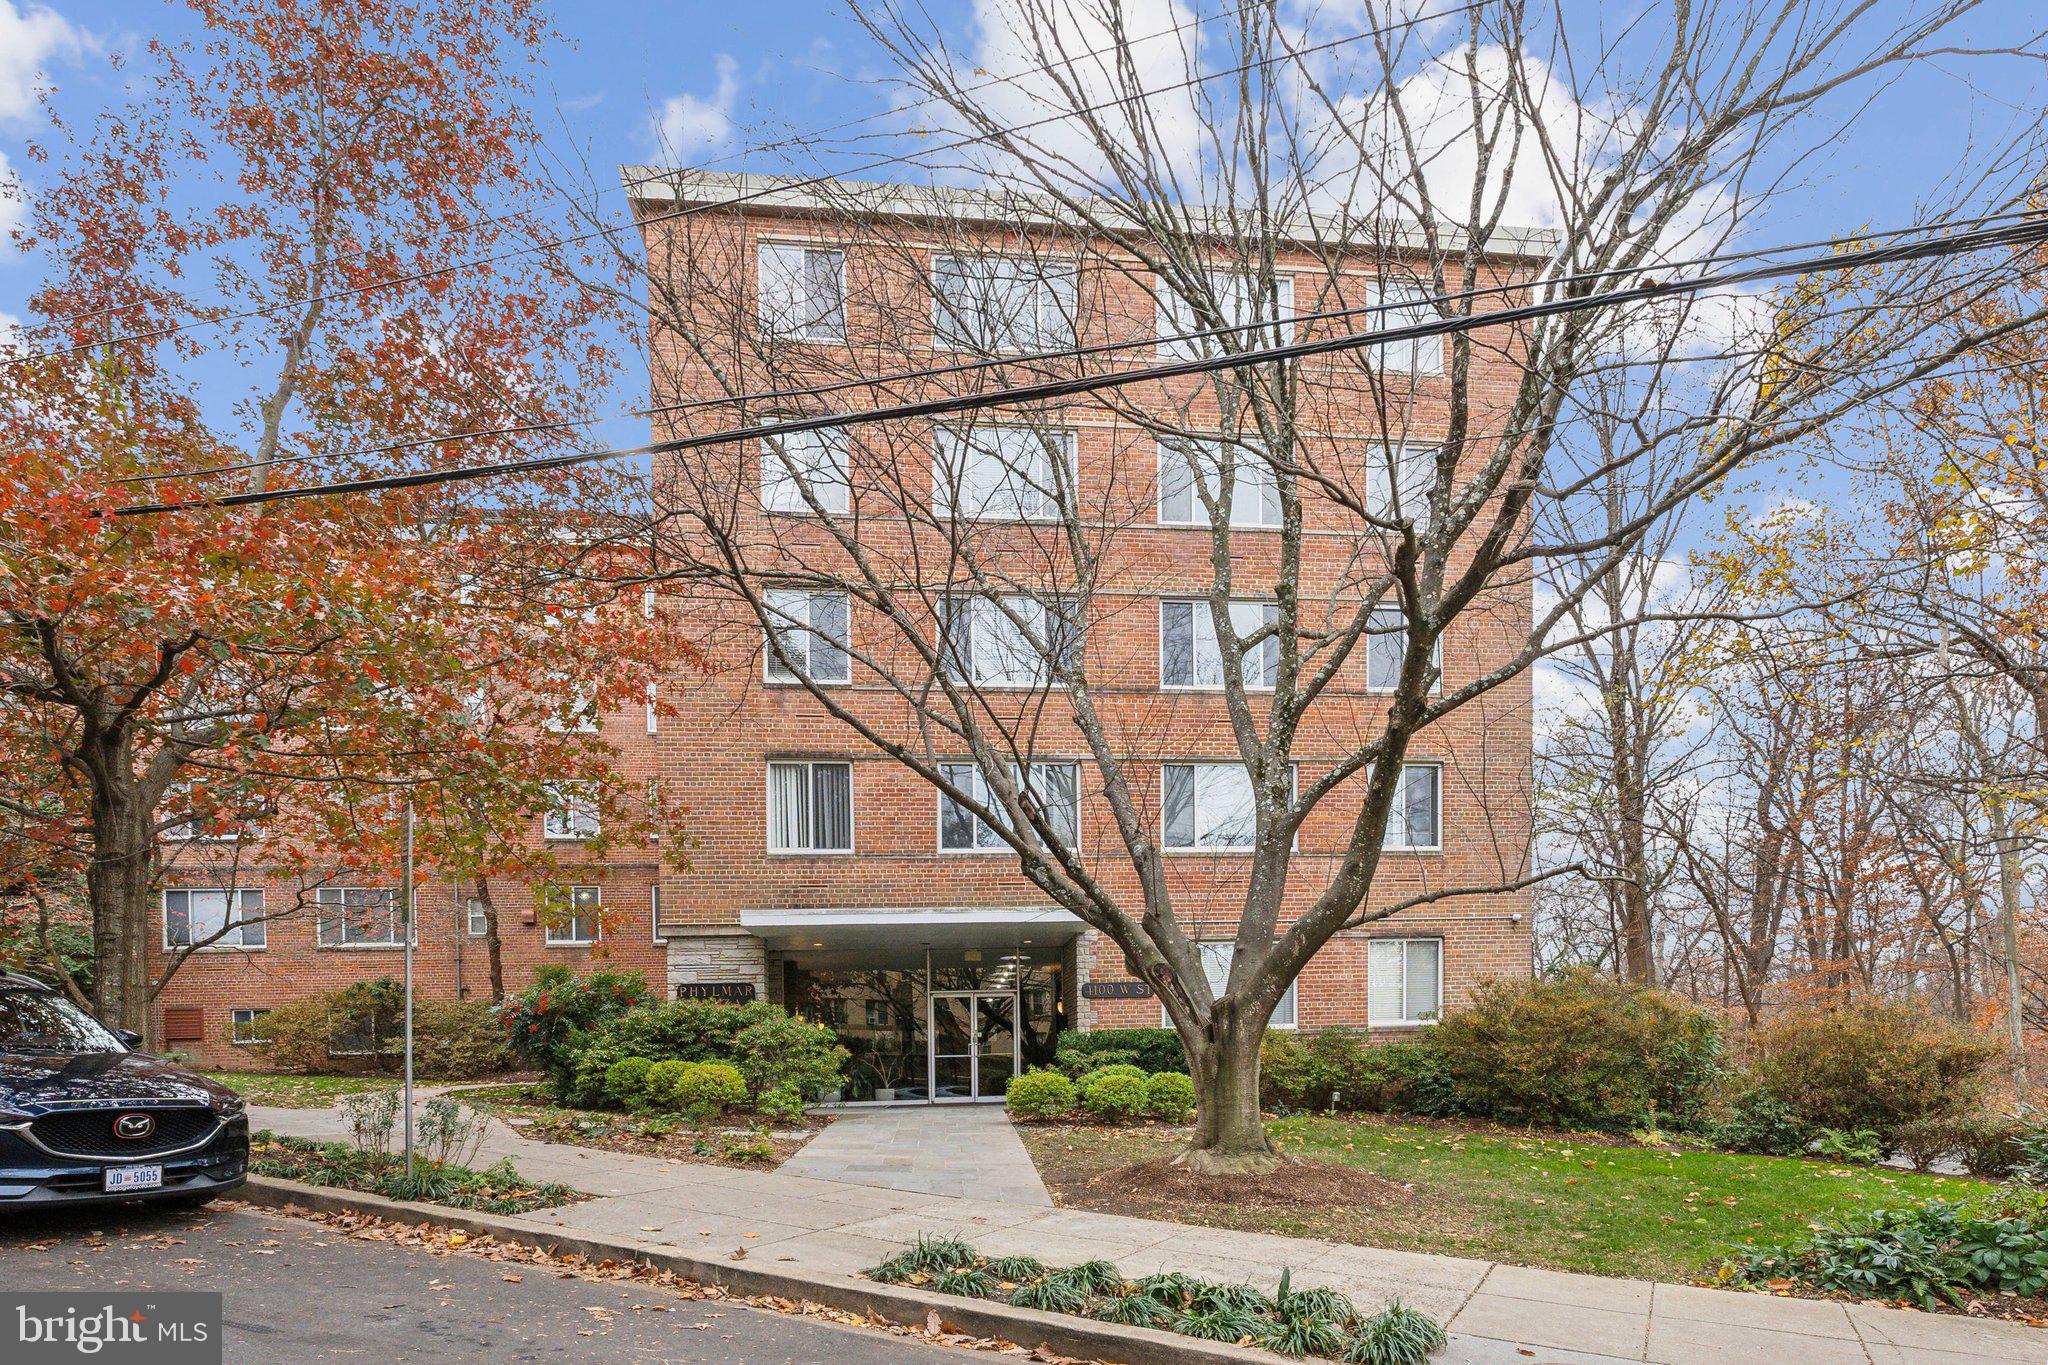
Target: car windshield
(37, 1021)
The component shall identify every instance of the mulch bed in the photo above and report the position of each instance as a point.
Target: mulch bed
(708, 1147)
(1162, 1184)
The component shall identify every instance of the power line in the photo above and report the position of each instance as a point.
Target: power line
(2018, 235)
(782, 187)
(753, 150)
(1074, 353)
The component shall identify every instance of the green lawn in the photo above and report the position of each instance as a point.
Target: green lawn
(1499, 1194)
(297, 1092)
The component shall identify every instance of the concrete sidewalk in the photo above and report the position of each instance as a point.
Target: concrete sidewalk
(833, 1227)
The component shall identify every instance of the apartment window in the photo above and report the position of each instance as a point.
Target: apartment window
(1190, 655)
(803, 292)
(1398, 480)
(1001, 303)
(1207, 806)
(1404, 981)
(245, 1026)
(811, 628)
(1054, 788)
(576, 715)
(1386, 645)
(479, 918)
(580, 924)
(359, 917)
(1001, 473)
(876, 1016)
(1406, 304)
(1240, 301)
(1189, 471)
(813, 462)
(572, 812)
(213, 917)
(810, 808)
(1216, 960)
(1009, 641)
(1416, 820)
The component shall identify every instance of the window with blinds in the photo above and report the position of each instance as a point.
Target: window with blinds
(1216, 960)
(810, 808)
(812, 630)
(1404, 981)
(1416, 820)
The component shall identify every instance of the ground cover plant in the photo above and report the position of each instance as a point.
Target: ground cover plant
(280, 1090)
(495, 1189)
(744, 1141)
(1298, 1322)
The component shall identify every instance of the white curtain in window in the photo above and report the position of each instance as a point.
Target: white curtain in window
(1190, 656)
(806, 459)
(1239, 300)
(1216, 960)
(1406, 304)
(1001, 303)
(1000, 473)
(1398, 482)
(803, 292)
(789, 806)
(1403, 980)
(812, 627)
(1189, 471)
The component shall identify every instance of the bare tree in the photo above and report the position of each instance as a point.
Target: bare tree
(1388, 509)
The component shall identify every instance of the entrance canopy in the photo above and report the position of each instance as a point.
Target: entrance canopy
(911, 929)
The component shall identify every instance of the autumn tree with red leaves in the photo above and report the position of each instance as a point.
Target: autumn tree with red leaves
(219, 312)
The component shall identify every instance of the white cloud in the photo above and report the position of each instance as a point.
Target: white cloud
(29, 40)
(689, 126)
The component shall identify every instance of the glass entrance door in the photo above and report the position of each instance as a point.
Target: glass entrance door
(974, 1044)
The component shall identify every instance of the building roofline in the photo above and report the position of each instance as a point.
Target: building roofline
(684, 185)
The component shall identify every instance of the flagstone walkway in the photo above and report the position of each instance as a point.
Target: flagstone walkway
(838, 1213)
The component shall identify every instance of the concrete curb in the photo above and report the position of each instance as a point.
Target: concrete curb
(899, 1304)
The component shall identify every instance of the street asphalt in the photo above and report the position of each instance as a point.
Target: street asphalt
(296, 1290)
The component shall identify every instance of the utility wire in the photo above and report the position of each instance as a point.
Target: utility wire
(2016, 235)
(1074, 353)
(781, 187)
(756, 149)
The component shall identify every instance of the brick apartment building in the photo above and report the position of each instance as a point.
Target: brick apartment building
(830, 878)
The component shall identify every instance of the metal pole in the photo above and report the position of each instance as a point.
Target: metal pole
(405, 893)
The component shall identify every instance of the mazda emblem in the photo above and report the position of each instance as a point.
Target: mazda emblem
(134, 1127)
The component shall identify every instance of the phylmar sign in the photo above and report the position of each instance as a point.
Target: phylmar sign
(162, 1329)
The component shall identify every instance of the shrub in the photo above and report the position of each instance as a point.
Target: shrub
(296, 1036)
(1869, 1065)
(783, 1102)
(1923, 1142)
(546, 1024)
(704, 1090)
(1135, 1072)
(1151, 1049)
(1335, 1069)
(679, 1031)
(1579, 1051)
(1996, 1146)
(625, 1081)
(1170, 1095)
(1112, 1095)
(1039, 1095)
(456, 1040)
(659, 1090)
(785, 1052)
(1758, 1121)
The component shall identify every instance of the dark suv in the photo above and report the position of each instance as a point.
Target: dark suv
(84, 1117)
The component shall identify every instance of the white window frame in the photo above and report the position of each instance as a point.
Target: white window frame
(563, 934)
(780, 605)
(1054, 321)
(1403, 1019)
(793, 298)
(1404, 303)
(1397, 812)
(1203, 628)
(1216, 956)
(579, 718)
(811, 767)
(235, 914)
(989, 627)
(477, 920)
(977, 785)
(1252, 481)
(572, 816)
(1173, 315)
(824, 464)
(1390, 467)
(1200, 766)
(327, 899)
(956, 451)
(252, 1017)
(1375, 651)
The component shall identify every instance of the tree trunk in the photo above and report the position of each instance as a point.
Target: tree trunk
(494, 947)
(1230, 1136)
(117, 888)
